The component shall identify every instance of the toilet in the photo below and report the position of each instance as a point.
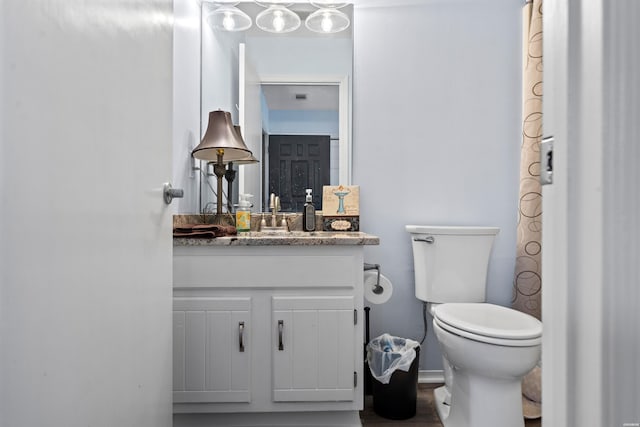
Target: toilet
(486, 348)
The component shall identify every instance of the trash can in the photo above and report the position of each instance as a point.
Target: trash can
(393, 363)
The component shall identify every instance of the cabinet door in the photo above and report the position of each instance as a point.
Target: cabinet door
(313, 349)
(211, 350)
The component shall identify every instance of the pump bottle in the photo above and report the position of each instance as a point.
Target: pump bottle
(243, 213)
(309, 214)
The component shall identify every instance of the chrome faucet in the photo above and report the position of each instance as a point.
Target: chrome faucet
(274, 205)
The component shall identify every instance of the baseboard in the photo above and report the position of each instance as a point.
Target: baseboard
(270, 419)
(431, 377)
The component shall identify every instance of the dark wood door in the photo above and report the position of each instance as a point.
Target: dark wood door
(298, 162)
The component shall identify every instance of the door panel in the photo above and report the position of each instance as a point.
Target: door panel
(298, 162)
(316, 359)
(85, 246)
(209, 363)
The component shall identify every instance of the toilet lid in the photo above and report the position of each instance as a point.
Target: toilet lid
(489, 320)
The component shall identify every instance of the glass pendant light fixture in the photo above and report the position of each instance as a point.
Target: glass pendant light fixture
(327, 21)
(229, 18)
(278, 19)
(321, 4)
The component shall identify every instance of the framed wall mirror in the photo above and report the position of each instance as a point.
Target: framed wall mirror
(257, 76)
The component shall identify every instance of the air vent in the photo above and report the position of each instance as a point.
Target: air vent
(301, 96)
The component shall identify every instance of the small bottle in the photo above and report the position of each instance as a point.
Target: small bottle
(309, 213)
(243, 213)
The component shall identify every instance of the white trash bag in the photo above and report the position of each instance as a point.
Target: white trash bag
(387, 353)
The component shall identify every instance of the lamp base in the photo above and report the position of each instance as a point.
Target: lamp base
(218, 219)
(223, 219)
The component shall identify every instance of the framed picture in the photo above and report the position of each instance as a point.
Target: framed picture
(341, 208)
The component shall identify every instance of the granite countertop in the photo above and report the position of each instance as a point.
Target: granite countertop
(293, 238)
(297, 237)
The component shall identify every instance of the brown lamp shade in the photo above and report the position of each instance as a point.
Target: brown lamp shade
(221, 137)
(249, 160)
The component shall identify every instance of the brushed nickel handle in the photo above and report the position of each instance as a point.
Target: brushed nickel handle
(169, 193)
(280, 330)
(428, 239)
(241, 335)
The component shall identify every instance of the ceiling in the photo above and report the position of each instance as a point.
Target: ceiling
(318, 97)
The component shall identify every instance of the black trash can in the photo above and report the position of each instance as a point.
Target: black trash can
(397, 399)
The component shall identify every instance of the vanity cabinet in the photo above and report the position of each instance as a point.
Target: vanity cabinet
(211, 362)
(261, 329)
(313, 349)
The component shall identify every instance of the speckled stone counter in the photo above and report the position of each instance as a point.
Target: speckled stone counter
(291, 238)
(294, 238)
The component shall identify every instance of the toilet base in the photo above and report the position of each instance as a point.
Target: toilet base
(442, 397)
(481, 402)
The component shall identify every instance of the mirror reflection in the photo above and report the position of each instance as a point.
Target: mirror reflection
(290, 94)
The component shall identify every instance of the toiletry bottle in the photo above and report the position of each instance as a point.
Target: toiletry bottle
(309, 213)
(243, 213)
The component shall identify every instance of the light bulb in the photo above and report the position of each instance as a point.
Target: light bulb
(278, 21)
(327, 23)
(228, 22)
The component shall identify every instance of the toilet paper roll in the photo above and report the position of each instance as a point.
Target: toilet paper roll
(373, 295)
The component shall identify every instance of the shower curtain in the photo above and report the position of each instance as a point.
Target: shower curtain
(527, 283)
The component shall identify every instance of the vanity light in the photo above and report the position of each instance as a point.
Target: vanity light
(278, 19)
(327, 21)
(229, 18)
(321, 4)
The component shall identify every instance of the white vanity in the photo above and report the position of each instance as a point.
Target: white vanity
(268, 330)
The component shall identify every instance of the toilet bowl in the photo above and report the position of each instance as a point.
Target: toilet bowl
(486, 349)
(489, 349)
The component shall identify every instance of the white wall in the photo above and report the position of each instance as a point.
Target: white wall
(436, 110)
(205, 79)
(301, 55)
(186, 101)
(303, 121)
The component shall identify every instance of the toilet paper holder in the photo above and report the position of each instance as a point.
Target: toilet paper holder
(377, 289)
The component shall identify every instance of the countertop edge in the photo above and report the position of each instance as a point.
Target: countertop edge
(334, 240)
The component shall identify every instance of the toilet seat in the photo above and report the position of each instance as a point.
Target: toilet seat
(489, 323)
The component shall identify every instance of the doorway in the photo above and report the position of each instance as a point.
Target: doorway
(298, 162)
(302, 146)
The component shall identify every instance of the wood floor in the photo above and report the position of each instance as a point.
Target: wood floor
(426, 415)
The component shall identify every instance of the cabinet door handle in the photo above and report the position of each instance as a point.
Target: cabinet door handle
(280, 330)
(241, 335)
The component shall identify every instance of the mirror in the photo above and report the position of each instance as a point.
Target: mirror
(244, 72)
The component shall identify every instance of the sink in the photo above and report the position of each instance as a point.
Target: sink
(276, 233)
(273, 230)
(300, 234)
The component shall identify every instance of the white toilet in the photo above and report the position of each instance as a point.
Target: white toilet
(486, 348)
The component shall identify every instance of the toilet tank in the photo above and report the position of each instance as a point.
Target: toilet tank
(450, 263)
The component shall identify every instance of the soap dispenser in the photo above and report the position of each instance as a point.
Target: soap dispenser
(309, 214)
(243, 213)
